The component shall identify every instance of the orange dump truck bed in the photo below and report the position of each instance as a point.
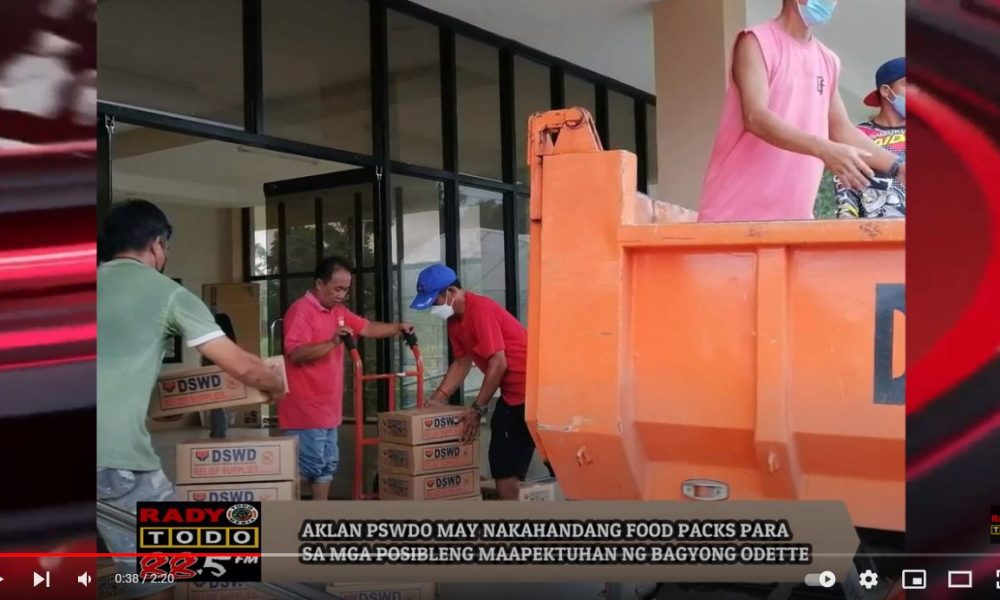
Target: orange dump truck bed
(708, 361)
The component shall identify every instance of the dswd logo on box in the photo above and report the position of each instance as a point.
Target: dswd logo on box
(190, 385)
(444, 482)
(232, 456)
(446, 452)
(443, 422)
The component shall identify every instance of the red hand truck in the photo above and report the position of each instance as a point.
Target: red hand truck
(360, 441)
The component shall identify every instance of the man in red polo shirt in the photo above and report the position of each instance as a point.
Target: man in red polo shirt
(482, 333)
(313, 409)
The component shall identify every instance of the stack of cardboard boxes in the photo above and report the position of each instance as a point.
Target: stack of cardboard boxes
(421, 457)
(238, 471)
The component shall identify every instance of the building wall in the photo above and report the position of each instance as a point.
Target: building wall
(688, 115)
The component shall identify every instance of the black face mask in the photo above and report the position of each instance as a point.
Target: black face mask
(163, 267)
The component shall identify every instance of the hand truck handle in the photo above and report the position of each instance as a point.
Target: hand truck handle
(411, 338)
(349, 341)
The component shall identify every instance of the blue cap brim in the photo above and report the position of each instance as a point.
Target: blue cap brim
(423, 301)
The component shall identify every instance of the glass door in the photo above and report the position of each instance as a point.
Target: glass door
(315, 217)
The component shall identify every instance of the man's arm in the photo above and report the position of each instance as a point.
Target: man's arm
(242, 365)
(458, 370)
(750, 78)
(495, 370)
(842, 130)
(310, 352)
(375, 329)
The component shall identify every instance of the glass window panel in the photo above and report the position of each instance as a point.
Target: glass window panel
(523, 205)
(651, 142)
(264, 244)
(317, 72)
(297, 287)
(272, 312)
(532, 93)
(186, 60)
(581, 93)
(300, 233)
(414, 91)
(481, 256)
(417, 241)
(478, 83)
(340, 221)
(621, 121)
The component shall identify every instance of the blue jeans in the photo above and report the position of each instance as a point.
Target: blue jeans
(319, 454)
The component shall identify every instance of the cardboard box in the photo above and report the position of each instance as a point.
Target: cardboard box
(264, 459)
(540, 490)
(238, 492)
(421, 425)
(107, 588)
(380, 591)
(432, 458)
(476, 498)
(241, 302)
(219, 590)
(250, 417)
(225, 294)
(439, 486)
(193, 390)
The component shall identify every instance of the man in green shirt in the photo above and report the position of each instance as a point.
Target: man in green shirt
(138, 309)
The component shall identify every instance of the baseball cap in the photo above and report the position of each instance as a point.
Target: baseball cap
(887, 74)
(432, 281)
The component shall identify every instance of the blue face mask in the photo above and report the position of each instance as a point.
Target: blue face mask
(817, 12)
(899, 103)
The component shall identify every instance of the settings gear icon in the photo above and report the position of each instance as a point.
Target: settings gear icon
(868, 579)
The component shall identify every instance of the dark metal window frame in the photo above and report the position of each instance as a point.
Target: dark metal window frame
(253, 135)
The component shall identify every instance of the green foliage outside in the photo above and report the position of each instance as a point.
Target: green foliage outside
(826, 198)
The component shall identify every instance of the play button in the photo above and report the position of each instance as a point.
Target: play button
(827, 579)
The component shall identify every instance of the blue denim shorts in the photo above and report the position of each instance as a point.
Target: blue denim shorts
(319, 454)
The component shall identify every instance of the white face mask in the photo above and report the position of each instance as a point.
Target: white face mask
(445, 311)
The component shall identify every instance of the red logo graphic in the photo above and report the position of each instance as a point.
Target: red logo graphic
(428, 423)
(198, 496)
(267, 457)
(168, 386)
(430, 483)
(201, 454)
(231, 384)
(429, 453)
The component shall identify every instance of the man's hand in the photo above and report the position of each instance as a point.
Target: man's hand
(470, 424)
(277, 395)
(847, 163)
(436, 400)
(405, 327)
(341, 332)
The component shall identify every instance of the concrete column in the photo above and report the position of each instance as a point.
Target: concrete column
(693, 46)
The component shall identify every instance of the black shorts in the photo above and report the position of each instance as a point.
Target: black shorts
(511, 445)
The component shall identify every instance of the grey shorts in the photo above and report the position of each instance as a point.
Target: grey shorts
(123, 489)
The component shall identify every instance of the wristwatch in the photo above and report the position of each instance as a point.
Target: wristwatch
(479, 408)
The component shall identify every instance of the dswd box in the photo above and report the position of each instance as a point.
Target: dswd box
(264, 459)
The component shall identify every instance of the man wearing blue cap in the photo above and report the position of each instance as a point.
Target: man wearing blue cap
(886, 197)
(482, 333)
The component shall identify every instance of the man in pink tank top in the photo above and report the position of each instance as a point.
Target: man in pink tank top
(782, 122)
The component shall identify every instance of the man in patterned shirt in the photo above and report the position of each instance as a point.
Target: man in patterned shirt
(886, 196)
